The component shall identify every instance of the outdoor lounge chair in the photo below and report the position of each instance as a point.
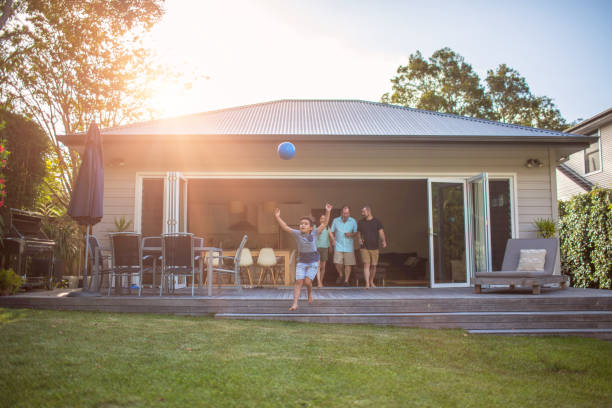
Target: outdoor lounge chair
(510, 275)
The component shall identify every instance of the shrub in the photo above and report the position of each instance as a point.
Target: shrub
(585, 232)
(10, 282)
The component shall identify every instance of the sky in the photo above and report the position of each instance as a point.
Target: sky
(238, 52)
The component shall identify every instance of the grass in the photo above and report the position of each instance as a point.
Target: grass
(52, 358)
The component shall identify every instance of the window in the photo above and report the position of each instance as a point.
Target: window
(592, 157)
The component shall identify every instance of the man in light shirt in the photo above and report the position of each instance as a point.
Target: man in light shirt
(344, 229)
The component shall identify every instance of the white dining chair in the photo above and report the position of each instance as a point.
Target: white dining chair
(267, 261)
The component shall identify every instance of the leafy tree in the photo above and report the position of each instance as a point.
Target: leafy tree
(24, 173)
(513, 102)
(446, 83)
(67, 63)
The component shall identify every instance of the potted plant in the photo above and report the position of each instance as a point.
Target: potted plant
(546, 228)
(68, 238)
(122, 224)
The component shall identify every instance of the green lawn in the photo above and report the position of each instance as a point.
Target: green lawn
(97, 359)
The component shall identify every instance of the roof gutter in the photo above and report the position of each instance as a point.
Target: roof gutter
(592, 121)
(76, 140)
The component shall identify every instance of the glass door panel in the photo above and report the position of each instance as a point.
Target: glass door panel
(447, 233)
(182, 203)
(175, 202)
(152, 208)
(478, 215)
(500, 209)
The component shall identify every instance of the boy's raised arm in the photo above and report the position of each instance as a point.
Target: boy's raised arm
(328, 208)
(280, 221)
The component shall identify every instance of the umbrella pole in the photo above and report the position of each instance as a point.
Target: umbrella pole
(85, 267)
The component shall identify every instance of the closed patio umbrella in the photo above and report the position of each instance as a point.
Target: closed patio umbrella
(88, 191)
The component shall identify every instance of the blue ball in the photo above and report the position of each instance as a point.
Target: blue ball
(286, 150)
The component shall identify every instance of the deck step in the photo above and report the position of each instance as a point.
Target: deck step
(574, 321)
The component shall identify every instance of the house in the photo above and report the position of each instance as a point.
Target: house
(449, 190)
(591, 166)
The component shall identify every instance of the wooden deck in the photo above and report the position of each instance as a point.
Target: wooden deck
(585, 312)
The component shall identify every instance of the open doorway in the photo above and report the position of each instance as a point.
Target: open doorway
(222, 210)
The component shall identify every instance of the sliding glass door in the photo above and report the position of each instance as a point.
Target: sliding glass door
(447, 232)
(459, 229)
(479, 224)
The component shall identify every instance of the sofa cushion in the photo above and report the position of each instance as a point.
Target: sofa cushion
(532, 260)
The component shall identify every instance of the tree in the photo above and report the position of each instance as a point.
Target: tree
(513, 102)
(24, 173)
(446, 83)
(68, 63)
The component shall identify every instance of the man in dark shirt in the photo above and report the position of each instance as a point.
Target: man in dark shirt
(370, 230)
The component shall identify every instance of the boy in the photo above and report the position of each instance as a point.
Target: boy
(308, 256)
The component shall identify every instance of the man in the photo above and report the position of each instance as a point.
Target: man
(370, 230)
(344, 229)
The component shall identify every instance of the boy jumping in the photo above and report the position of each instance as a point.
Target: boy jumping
(308, 256)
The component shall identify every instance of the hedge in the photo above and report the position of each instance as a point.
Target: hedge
(585, 232)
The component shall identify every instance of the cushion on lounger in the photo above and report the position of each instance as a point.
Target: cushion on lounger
(532, 260)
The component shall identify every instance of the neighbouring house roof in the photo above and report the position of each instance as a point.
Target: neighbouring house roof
(575, 177)
(330, 119)
(591, 124)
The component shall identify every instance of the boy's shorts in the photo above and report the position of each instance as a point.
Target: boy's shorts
(369, 256)
(344, 258)
(306, 270)
(323, 253)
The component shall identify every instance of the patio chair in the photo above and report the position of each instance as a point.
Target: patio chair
(100, 264)
(177, 259)
(511, 273)
(126, 260)
(198, 242)
(219, 261)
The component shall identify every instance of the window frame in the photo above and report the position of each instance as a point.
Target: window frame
(600, 169)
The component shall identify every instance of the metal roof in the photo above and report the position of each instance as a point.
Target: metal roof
(328, 119)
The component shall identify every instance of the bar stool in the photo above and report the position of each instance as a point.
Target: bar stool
(246, 261)
(267, 260)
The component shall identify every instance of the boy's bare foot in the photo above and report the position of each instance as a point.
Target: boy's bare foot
(372, 284)
(310, 299)
(319, 286)
(367, 287)
(292, 308)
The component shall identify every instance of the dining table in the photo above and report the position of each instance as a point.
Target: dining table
(213, 252)
(197, 250)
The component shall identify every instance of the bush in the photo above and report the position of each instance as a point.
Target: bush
(26, 168)
(585, 232)
(10, 282)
